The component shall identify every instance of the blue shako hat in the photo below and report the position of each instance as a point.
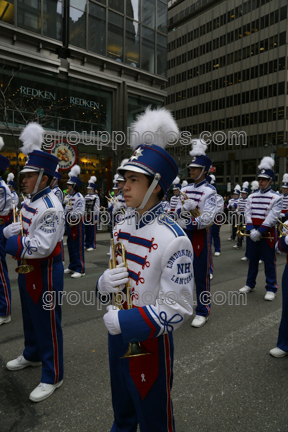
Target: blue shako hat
(285, 181)
(150, 133)
(266, 168)
(211, 179)
(245, 187)
(4, 162)
(57, 175)
(237, 190)
(10, 180)
(199, 158)
(73, 174)
(92, 184)
(176, 184)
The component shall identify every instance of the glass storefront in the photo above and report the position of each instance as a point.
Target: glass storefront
(65, 105)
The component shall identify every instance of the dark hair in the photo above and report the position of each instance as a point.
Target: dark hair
(160, 194)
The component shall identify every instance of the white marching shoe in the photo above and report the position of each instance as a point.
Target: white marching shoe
(199, 321)
(235, 246)
(90, 249)
(244, 259)
(77, 275)
(246, 289)
(270, 295)
(68, 271)
(43, 391)
(260, 261)
(5, 319)
(277, 352)
(21, 363)
(217, 254)
(211, 276)
(229, 238)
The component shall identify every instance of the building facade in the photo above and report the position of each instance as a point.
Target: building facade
(227, 72)
(84, 66)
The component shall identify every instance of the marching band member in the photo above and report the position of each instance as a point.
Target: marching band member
(6, 205)
(215, 228)
(232, 206)
(74, 214)
(39, 244)
(281, 349)
(176, 194)
(165, 204)
(59, 194)
(284, 211)
(241, 209)
(92, 208)
(13, 186)
(262, 211)
(203, 197)
(254, 188)
(159, 260)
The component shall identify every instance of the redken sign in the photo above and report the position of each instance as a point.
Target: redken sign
(40, 94)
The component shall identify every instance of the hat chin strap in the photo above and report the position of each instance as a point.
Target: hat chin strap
(154, 183)
(41, 172)
(202, 172)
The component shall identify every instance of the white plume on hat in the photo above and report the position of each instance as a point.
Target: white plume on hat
(266, 163)
(32, 137)
(213, 178)
(198, 148)
(92, 179)
(184, 183)
(124, 161)
(176, 181)
(254, 185)
(115, 179)
(285, 178)
(160, 123)
(245, 185)
(1, 143)
(75, 171)
(10, 177)
(237, 187)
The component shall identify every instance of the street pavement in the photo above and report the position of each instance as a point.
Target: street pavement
(224, 378)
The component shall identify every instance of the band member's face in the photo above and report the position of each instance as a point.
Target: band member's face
(29, 182)
(244, 195)
(285, 190)
(263, 183)
(69, 188)
(135, 188)
(176, 192)
(195, 172)
(90, 191)
(235, 196)
(120, 184)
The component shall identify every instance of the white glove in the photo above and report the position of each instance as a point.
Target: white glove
(255, 235)
(12, 229)
(111, 320)
(189, 205)
(113, 279)
(277, 248)
(286, 239)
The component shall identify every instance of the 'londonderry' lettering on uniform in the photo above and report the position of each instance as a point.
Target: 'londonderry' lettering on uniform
(176, 255)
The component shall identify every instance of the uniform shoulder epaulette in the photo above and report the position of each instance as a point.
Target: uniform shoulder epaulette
(210, 186)
(174, 227)
(47, 201)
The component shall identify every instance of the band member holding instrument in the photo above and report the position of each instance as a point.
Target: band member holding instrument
(262, 211)
(59, 194)
(176, 195)
(159, 258)
(74, 214)
(254, 188)
(92, 207)
(43, 229)
(232, 208)
(241, 209)
(6, 205)
(203, 197)
(13, 186)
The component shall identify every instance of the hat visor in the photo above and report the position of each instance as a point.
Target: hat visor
(70, 182)
(29, 169)
(266, 176)
(194, 165)
(132, 168)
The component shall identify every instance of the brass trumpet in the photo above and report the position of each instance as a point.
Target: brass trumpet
(241, 232)
(135, 349)
(24, 267)
(194, 213)
(281, 228)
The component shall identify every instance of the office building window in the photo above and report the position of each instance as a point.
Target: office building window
(132, 43)
(29, 15)
(161, 54)
(148, 49)
(115, 37)
(133, 9)
(97, 29)
(162, 13)
(78, 23)
(148, 13)
(117, 5)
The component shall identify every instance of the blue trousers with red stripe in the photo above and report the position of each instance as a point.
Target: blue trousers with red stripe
(201, 245)
(154, 411)
(90, 235)
(75, 243)
(215, 234)
(5, 290)
(42, 319)
(282, 342)
(262, 250)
